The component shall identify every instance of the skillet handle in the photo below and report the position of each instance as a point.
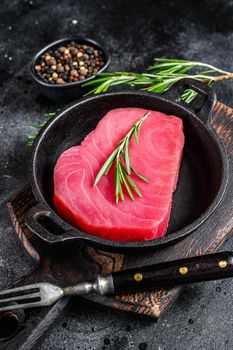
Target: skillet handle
(43, 223)
(172, 273)
(203, 103)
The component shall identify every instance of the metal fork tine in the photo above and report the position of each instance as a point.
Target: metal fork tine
(34, 295)
(20, 297)
(19, 289)
(21, 306)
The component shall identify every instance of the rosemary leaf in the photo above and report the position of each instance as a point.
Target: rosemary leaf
(174, 60)
(127, 157)
(132, 183)
(142, 177)
(117, 184)
(119, 191)
(105, 168)
(30, 136)
(189, 95)
(108, 168)
(125, 182)
(51, 114)
(136, 134)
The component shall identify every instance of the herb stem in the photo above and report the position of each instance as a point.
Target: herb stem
(228, 76)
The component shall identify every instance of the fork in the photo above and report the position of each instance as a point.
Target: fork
(167, 274)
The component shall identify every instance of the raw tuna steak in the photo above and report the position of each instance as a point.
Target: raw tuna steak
(157, 156)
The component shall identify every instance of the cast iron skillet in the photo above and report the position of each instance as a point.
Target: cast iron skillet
(203, 174)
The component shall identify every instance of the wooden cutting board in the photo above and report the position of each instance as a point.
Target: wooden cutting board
(64, 268)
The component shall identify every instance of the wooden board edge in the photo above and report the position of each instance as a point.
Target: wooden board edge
(23, 239)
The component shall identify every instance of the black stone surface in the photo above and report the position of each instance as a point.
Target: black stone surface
(135, 32)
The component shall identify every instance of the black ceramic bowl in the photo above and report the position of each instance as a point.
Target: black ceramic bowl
(70, 91)
(203, 173)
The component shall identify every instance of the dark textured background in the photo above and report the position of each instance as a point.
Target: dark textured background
(134, 32)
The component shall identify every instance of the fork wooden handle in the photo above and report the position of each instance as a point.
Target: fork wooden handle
(168, 274)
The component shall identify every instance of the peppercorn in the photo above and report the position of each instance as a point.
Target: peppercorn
(60, 68)
(60, 81)
(90, 50)
(54, 75)
(64, 76)
(56, 54)
(69, 60)
(83, 71)
(73, 71)
(67, 64)
(61, 49)
(73, 51)
(51, 61)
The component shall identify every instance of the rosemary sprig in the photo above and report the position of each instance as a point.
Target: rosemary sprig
(37, 126)
(123, 168)
(158, 78)
(161, 76)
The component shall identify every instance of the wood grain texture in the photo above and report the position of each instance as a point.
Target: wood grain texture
(64, 268)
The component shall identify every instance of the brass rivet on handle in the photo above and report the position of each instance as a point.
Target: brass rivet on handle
(183, 270)
(222, 263)
(138, 277)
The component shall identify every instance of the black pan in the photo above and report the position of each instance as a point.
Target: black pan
(203, 174)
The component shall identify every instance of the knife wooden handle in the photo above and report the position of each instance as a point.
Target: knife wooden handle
(171, 273)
